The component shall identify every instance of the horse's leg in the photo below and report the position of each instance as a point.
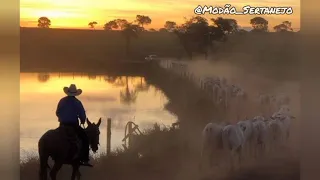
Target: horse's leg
(56, 167)
(75, 172)
(43, 167)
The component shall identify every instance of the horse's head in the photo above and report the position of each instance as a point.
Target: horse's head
(93, 134)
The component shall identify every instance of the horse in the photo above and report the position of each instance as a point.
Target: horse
(64, 149)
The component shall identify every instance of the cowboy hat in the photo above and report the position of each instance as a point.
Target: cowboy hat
(72, 90)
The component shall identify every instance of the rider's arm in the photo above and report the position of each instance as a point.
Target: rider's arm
(58, 109)
(81, 113)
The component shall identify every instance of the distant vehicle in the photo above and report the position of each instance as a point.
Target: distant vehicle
(151, 58)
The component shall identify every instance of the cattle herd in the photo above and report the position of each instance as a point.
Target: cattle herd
(246, 137)
(250, 137)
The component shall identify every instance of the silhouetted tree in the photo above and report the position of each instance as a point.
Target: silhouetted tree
(117, 81)
(130, 31)
(285, 26)
(259, 24)
(196, 35)
(128, 96)
(111, 25)
(92, 77)
(122, 23)
(170, 25)
(43, 77)
(142, 86)
(92, 24)
(227, 25)
(44, 22)
(163, 30)
(110, 79)
(143, 20)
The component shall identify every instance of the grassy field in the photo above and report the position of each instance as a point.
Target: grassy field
(157, 145)
(273, 54)
(84, 47)
(276, 53)
(166, 156)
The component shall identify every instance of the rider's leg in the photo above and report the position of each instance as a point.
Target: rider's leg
(85, 142)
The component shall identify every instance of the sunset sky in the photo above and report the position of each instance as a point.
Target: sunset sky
(78, 13)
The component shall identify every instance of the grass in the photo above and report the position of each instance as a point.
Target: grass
(85, 47)
(123, 164)
(272, 53)
(165, 156)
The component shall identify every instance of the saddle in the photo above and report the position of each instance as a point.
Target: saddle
(70, 134)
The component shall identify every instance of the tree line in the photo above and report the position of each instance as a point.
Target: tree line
(196, 34)
(259, 24)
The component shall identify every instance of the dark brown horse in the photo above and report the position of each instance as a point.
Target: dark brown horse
(63, 146)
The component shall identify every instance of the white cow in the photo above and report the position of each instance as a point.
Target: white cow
(286, 124)
(260, 135)
(224, 97)
(247, 129)
(238, 98)
(211, 142)
(283, 111)
(215, 93)
(275, 132)
(233, 141)
(258, 118)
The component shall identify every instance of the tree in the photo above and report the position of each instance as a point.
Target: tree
(122, 23)
(196, 35)
(44, 22)
(143, 86)
(170, 25)
(227, 25)
(259, 24)
(143, 20)
(130, 31)
(285, 26)
(111, 25)
(92, 24)
(43, 77)
(110, 79)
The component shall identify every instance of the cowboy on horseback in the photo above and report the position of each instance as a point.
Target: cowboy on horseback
(69, 111)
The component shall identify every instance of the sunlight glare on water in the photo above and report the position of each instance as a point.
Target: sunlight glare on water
(120, 98)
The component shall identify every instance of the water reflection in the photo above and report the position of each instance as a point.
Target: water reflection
(128, 96)
(120, 98)
(43, 77)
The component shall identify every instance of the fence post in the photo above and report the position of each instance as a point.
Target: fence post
(108, 136)
(130, 132)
